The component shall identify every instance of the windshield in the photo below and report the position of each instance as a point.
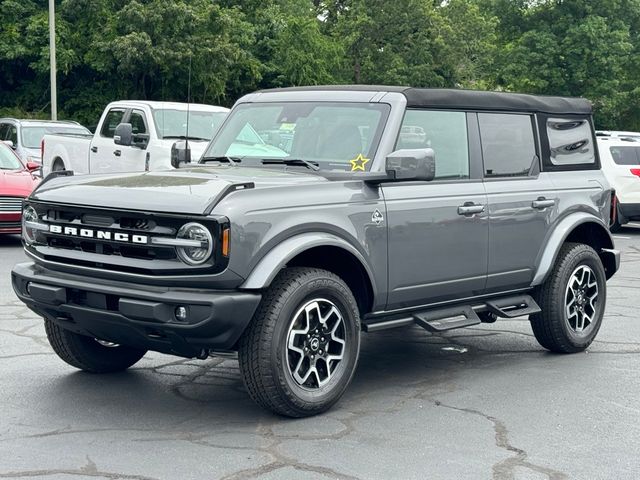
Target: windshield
(173, 123)
(8, 160)
(334, 136)
(32, 136)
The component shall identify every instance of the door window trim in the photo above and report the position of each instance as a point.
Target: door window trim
(114, 109)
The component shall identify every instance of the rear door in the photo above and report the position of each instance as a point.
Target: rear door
(438, 230)
(522, 200)
(132, 158)
(104, 153)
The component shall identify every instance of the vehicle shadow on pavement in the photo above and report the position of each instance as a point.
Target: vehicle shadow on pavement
(10, 240)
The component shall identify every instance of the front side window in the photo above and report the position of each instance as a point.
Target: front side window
(570, 142)
(625, 155)
(111, 121)
(173, 123)
(136, 119)
(445, 133)
(334, 136)
(508, 144)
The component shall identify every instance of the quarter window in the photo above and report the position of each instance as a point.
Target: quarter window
(570, 142)
(111, 121)
(444, 132)
(508, 144)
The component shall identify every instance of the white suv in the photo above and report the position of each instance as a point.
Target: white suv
(620, 159)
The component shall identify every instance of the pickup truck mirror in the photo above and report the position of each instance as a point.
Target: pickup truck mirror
(10, 143)
(411, 165)
(123, 134)
(180, 153)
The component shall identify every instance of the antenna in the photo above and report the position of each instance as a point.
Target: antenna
(186, 138)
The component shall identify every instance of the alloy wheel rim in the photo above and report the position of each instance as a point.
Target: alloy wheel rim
(316, 343)
(581, 299)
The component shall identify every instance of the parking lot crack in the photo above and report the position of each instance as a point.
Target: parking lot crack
(505, 470)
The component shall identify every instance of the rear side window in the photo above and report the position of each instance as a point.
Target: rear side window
(508, 144)
(445, 133)
(625, 155)
(570, 142)
(111, 121)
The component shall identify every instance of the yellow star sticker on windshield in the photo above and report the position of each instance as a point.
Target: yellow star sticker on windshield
(358, 163)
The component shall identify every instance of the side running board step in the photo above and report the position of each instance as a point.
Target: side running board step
(511, 307)
(447, 318)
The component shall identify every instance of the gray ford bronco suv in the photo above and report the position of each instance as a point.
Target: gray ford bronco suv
(319, 213)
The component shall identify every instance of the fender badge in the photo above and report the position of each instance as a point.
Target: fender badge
(377, 217)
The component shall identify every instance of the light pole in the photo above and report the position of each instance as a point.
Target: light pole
(52, 57)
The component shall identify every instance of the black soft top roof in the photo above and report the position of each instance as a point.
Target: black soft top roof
(468, 99)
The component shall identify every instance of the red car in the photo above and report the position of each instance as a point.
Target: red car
(17, 181)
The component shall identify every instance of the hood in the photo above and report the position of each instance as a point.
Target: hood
(17, 183)
(187, 190)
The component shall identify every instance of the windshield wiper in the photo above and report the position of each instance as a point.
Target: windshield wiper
(292, 161)
(183, 137)
(232, 160)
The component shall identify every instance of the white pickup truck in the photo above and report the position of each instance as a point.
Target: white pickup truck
(149, 130)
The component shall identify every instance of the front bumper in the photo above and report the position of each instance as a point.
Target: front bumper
(137, 315)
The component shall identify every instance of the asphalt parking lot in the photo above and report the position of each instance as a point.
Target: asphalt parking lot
(478, 403)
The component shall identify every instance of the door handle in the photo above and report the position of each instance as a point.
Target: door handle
(94, 149)
(470, 208)
(541, 203)
(117, 153)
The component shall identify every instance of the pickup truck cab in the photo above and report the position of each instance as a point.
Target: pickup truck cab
(155, 127)
(318, 213)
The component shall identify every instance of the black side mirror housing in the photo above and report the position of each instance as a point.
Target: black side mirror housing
(180, 153)
(411, 165)
(123, 134)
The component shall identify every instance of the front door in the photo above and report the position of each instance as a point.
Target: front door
(132, 158)
(438, 230)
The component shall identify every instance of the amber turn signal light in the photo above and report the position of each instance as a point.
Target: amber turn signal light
(225, 242)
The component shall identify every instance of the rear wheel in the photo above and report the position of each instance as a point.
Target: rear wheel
(572, 301)
(300, 351)
(89, 354)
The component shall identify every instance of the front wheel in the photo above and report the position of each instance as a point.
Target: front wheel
(572, 301)
(89, 354)
(300, 351)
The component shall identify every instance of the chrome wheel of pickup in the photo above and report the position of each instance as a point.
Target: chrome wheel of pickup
(581, 298)
(315, 343)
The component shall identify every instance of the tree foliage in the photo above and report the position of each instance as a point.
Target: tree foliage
(150, 49)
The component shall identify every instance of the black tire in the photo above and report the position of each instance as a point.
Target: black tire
(87, 354)
(265, 355)
(57, 166)
(553, 327)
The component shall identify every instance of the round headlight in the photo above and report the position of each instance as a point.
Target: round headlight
(29, 215)
(195, 255)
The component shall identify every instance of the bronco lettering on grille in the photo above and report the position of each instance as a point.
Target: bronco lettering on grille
(98, 234)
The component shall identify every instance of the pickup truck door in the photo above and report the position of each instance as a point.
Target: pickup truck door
(438, 230)
(103, 151)
(132, 158)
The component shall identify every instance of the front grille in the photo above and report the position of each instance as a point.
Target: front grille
(109, 254)
(10, 224)
(10, 204)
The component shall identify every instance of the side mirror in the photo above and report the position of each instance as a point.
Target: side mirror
(123, 134)
(33, 166)
(180, 153)
(411, 165)
(10, 143)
